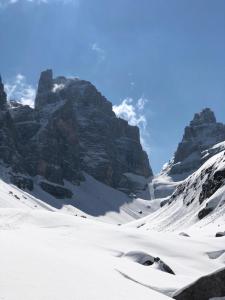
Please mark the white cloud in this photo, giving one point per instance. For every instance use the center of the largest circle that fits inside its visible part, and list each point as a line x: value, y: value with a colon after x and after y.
x: 99, y: 51
x: 130, y: 111
x: 134, y: 112
x: 18, y: 89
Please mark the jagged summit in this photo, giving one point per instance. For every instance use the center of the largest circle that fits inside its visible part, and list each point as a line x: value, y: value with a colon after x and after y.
x: 206, y: 116
x: 202, y: 133
x: 53, y: 90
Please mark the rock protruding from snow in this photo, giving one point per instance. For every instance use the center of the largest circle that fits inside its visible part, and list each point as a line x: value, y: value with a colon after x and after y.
x: 205, y: 288
x: 202, y: 133
x: 146, y: 259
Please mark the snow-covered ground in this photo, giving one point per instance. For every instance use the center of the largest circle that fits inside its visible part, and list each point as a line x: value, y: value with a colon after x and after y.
x: 54, y: 249
x: 53, y: 256
x: 91, y: 199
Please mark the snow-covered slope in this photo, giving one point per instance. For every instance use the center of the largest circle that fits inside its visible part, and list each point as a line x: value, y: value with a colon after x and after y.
x: 91, y: 199
x: 163, y: 184
x: 52, y: 256
x: 197, y: 203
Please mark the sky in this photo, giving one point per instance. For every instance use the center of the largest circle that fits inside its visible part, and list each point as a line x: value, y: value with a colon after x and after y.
x: 157, y: 61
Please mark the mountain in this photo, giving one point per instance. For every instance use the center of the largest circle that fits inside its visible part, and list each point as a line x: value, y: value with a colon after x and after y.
x: 72, y: 131
x: 202, y: 134
x: 203, y: 138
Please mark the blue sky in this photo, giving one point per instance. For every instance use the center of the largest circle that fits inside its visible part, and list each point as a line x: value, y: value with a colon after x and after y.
x: 170, y: 52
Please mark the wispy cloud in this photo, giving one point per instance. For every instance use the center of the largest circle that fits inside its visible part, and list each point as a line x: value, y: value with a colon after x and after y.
x: 18, y: 89
x: 6, y: 3
x: 99, y: 51
x: 134, y: 112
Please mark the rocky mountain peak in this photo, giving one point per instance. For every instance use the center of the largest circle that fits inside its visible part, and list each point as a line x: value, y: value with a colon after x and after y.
x: 206, y: 116
x: 53, y: 91
x: 3, y: 96
x: 44, y: 91
x: 45, y: 82
x: 200, y: 135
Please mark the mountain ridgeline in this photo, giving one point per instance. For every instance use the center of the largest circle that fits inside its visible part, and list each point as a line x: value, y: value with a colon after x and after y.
x: 72, y: 131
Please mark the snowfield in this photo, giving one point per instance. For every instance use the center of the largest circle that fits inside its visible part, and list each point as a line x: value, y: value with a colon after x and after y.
x: 80, y: 249
x: 53, y: 256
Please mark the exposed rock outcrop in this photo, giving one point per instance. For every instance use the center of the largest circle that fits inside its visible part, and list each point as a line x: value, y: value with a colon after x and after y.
x: 3, y: 96
x: 56, y: 190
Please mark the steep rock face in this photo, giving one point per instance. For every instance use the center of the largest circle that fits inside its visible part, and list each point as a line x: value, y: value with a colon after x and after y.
x: 202, y: 133
x: 106, y: 147
x: 3, y: 100
x: 8, y: 135
x: 72, y: 130
x: 8, y: 140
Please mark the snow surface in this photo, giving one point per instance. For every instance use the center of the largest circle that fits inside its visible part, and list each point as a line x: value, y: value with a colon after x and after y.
x: 48, y: 255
